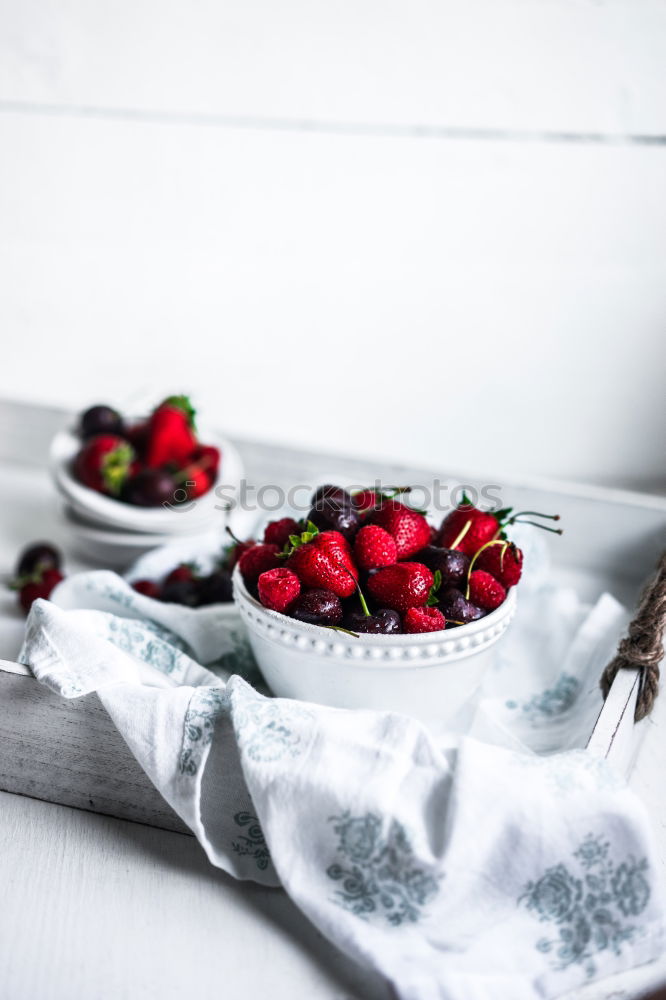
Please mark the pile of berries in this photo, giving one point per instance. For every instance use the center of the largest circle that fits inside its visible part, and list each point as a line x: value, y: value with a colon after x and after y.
x: 38, y: 569
x: 187, y: 585
x: 417, y: 578
x: 149, y: 463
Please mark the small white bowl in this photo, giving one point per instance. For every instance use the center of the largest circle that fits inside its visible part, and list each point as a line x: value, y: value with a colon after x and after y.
x: 430, y: 676
x: 107, y: 512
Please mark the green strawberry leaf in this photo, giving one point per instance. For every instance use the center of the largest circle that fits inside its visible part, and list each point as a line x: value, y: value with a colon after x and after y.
x: 182, y: 403
x: 432, y: 593
x: 295, y: 541
x: 116, y: 466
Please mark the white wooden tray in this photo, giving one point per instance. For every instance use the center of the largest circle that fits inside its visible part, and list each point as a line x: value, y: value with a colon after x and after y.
x: 69, y: 752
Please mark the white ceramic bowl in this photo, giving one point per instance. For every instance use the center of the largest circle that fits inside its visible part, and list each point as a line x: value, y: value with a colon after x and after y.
x: 106, y: 512
x: 429, y: 676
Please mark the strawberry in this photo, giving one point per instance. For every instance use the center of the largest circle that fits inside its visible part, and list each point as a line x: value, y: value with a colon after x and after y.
x: 208, y: 456
x: 503, y: 561
x: 104, y: 463
x: 409, y: 528
x: 374, y: 547
x: 278, y: 588
x: 467, y: 528
x: 405, y: 585
x: 279, y: 532
x: 195, y: 480
x: 256, y: 560
x: 324, y: 560
x: 184, y: 571
x: 171, y: 436
x: 149, y: 588
x: 485, y: 591
x: 417, y: 620
x: 366, y: 499
x: 38, y: 585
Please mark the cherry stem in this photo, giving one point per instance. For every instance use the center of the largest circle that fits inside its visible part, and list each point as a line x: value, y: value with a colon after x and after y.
x: 230, y: 532
x: 493, y: 541
x: 462, y: 534
x: 338, y: 628
x: 364, y: 606
x: 534, y: 513
x: 534, y: 524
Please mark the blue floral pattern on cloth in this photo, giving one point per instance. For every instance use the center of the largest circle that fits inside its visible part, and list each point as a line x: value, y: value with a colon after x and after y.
x: 572, y: 771
x: 239, y: 660
x: 152, y: 643
x: 251, y: 843
x: 378, y: 873
x: 590, y: 906
x: 205, y: 707
x: 267, y: 730
x: 550, y: 703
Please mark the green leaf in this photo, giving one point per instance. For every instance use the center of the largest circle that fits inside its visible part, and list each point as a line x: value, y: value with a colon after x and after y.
x: 432, y: 593
x: 182, y: 403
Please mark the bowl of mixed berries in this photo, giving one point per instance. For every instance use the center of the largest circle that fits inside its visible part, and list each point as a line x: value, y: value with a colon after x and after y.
x: 365, y: 604
x: 154, y: 475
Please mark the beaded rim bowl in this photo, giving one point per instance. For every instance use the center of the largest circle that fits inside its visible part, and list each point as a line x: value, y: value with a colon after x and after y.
x: 430, y: 649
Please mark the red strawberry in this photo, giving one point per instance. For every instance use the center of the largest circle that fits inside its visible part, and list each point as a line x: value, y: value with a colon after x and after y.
x: 184, y: 571
x: 485, y: 591
x: 39, y: 585
x: 325, y: 562
x: 338, y: 549
x: 149, y: 588
x: 409, y: 528
x: 256, y: 560
x: 374, y: 547
x: 195, y: 480
x: 278, y: 588
x: 208, y: 456
x: 171, y: 436
x: 104, y: 463
x: 467, y: 528
x: 366, y: 499
x: 278, y: 532
x: 405, y: 585
x: 417, y: 620
x: 504, y: 562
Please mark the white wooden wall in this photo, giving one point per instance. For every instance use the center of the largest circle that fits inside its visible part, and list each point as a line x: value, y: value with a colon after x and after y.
x: 433, y: 230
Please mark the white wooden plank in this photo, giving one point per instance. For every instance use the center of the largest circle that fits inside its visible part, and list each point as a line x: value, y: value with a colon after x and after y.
x: 97, y: 908
x: 499, y: 64
x: 533, y: 273
x: 616, y: 737
x: 69, y: 751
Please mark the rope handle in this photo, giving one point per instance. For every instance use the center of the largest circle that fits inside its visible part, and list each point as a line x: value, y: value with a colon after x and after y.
x: 643, y: 646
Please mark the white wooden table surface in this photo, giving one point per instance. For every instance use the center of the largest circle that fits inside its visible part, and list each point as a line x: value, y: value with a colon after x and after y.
x: 94, y: 907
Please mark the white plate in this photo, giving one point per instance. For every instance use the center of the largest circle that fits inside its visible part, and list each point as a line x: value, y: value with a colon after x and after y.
x: 205, y: 513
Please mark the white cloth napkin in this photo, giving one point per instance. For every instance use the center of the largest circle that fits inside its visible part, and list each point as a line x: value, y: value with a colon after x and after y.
x: 458, y: 868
